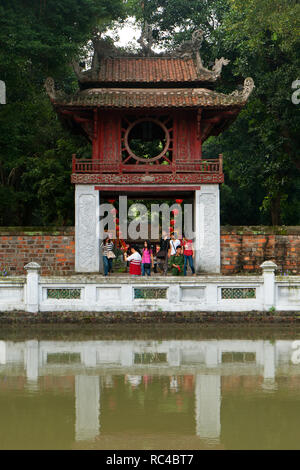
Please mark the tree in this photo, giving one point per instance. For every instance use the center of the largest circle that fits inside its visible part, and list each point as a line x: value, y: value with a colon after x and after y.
x: 261, y: 39
x: 264, y: 51
x: 39, y: 38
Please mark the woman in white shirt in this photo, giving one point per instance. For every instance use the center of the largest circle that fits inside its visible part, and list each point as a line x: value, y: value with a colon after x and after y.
x: 135, y: 261
x: 174, y: 243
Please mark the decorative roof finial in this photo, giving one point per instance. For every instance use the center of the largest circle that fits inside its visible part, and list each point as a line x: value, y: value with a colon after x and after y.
x: 246, y: 91
x: 191, y: 50
x: 50, y: 89
x: 146, y: 39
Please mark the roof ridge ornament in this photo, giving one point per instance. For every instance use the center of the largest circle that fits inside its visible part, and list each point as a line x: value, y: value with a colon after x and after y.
x: 77, y: 70
x: 54, y: 95
x: 246, y: 91
x: 190, y: 49
x: 146, y: 40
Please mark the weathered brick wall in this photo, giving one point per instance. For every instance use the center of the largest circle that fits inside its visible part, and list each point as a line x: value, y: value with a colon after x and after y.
x: 54, y: 250
x: 243, y: 249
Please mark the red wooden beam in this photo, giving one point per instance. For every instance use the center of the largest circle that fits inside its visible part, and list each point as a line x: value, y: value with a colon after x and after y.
x: 151, y: 188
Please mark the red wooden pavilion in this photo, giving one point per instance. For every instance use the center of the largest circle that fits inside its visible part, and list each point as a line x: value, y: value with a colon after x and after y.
x: 147, y: 119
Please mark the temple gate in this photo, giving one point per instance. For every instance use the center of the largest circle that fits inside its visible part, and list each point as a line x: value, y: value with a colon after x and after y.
x: 147, y: 118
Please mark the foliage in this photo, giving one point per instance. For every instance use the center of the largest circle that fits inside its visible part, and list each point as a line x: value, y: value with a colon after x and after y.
x: 39, y: 38
x: 261, y: 38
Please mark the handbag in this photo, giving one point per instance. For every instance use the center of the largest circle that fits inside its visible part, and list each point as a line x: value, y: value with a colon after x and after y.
x: 111, y: 255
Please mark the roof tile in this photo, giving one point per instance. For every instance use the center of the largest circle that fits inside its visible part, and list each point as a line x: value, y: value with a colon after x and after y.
x: 147, y: 70
x: 152, y: 98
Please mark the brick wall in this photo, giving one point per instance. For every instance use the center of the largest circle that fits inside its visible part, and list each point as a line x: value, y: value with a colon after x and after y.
x: 53, y: 250
x: 243, y: 249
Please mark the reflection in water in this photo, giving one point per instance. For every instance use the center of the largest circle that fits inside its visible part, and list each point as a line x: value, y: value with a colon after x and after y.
x: 149, y: 394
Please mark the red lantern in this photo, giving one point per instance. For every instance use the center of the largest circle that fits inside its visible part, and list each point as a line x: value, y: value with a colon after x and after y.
x: 113, y: 211
x: 179, y: 201
x: 111, y: 201
x: 175, y: 211
x: 173, y: 222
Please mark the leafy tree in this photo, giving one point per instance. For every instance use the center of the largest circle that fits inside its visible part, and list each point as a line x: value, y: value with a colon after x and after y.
x: 39, y: 38
x: 263, y: 51
x: 261, y: 38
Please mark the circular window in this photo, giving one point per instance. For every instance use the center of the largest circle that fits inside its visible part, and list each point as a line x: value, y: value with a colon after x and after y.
x: 147, y: 139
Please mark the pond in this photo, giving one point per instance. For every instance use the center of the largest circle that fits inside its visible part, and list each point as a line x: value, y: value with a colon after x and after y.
x: 149, y: 388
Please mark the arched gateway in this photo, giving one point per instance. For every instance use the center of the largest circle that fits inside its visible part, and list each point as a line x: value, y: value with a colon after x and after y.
x: 147, y: 118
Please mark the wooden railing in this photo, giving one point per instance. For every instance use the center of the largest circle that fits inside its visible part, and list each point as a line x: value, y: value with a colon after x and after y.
x: 96, y: 166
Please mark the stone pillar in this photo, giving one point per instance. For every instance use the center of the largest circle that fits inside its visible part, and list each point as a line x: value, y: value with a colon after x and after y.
x: 207, y: 228
x: 269, y: 268
x: 87, y: 229
x: 211, y: 355
x: 32, y: 287
x: 174, y: 357
x: 208, y: 406
x: 2, y: 352
x: 32, y: 360
x: 127, y: 356
x: 269, y: 383
x: 87, y: 394
x: 269, y: 361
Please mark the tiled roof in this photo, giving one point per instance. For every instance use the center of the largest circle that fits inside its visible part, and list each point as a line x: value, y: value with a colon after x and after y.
x: 147, y: 70
x: 152, y: 98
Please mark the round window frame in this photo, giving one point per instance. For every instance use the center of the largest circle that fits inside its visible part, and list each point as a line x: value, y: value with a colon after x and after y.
x: 143, y: 159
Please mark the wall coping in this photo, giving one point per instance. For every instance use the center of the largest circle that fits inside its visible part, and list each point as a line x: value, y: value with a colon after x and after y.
x: 260, y: 230
x: 225, y: 229
x: 36, y: 231
x: 157, y: 280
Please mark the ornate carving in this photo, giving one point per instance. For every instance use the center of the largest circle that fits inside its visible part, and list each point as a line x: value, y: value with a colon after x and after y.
x: 209, y: 232
x: 50, y: 89
x: 184, y: 178
x: 246, y: 91
x: 146, y: 40
x: 217, y: 68
x: 87, y: 231
x: 190, y: 47
x: 103, y: 48
x: 54, y: 95
x: 248, y: 87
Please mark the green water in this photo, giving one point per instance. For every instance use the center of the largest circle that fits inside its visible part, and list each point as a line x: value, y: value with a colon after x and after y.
x: 146, y: 388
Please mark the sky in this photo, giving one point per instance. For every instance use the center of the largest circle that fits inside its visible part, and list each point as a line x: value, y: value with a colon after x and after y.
x: 128, y: 34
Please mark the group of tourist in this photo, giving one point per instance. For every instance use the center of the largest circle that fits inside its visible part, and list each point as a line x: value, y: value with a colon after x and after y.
x: 171, y: 254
